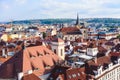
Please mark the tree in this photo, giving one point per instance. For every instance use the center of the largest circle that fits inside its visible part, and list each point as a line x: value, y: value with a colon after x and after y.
x: 118, y: 36
x: 44, y: 35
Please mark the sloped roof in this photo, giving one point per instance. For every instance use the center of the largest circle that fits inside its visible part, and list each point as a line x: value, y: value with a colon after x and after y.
x: 2, y: 59
x: 67, y: 73
x: 32, y: 58
x: 58, y: 40
x: 31, y: 77
x: 110, y: 43
x: 70, y: 30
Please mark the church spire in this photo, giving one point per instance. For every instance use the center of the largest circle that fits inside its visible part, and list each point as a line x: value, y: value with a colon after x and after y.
x: 77, y: 21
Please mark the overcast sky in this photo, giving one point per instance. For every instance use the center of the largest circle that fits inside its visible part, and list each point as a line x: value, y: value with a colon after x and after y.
x: 42, y: 9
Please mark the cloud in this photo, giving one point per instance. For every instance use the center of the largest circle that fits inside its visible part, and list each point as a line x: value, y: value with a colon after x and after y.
x: 28, y: 9
x: 6, y: 6
x: 21, y: 1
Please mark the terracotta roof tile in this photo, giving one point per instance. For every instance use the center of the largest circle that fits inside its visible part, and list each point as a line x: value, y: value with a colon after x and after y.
x: 30, y: 77
x: 2, y: 59
x: 32, y: 58
x: 58, y: 40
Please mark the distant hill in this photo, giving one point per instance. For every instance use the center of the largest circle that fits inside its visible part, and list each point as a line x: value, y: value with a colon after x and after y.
x: 55, y: 21
x: 43, y: 21
x: 104, y: 20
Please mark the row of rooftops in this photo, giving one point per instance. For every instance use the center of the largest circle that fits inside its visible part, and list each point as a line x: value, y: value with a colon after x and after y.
x: 91, y: 66
x: 89, y: 44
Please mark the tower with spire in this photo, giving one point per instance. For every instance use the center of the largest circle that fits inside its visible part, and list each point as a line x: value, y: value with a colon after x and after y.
x: 77, y: 24
x: 77, y: 21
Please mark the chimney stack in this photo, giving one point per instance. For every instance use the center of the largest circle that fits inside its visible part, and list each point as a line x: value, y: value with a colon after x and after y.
x: 95, y: 60
x: 3, y: 52
x: 82, y: 39
x: 20, y: 75
x: 30, y: 72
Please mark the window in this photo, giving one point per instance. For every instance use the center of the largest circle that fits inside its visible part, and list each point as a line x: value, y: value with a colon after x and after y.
x: 65, y: 38
x: 70, y: 77
x: 36, y: 68
x: 74, y: 75
x: 55, y: 51
x: 47, y: 66
x: 31, y: 56
x: 39, y: 54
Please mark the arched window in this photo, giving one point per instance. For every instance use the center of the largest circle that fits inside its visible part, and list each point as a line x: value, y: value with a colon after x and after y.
x: 55, y: 51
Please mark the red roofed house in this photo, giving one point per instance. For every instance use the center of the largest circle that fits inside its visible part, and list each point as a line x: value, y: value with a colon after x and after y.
x: 66, y: 73
x: 72, y: 33
x: 37, y: 60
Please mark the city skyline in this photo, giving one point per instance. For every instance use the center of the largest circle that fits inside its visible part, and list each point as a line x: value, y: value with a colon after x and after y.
x: 43, y: 9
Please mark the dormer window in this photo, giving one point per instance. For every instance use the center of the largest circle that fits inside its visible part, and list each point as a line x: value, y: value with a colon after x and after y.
x: 46, y: 53
x: 69, y: 76
x: 74, y: 75
x: 31, y: 56
x: 47, y: 66
x: 78, y: 74
x: 39, y: 54
x: 36, y: 69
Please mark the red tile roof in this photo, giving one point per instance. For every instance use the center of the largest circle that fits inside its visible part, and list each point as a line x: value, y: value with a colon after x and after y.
x: 2, y: 59
x: 110, y: 43
x: 67, y: 73
x: 101, y: 49
x: 32, y: 58
x: 76, y: 74
x: 72, y: 30
x: 58, y: 40
x: 31, y: 77
x: 117, y: 54
x: 69, y: 29
x: 100, y: 61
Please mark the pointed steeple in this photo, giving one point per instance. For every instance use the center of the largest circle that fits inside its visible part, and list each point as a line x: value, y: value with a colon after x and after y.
x: 77, y: 21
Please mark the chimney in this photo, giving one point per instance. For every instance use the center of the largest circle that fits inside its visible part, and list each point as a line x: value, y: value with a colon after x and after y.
x: 82, y: 39
x: 3, y: 52
x: 107, y: 53
x: 30, y: 72
x: 20, y: 75
x: 95, y: 60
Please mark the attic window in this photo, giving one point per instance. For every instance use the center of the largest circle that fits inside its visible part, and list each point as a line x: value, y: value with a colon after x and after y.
x: 45, y: 52
x: 69, y: 76
x: 36, y: 69
x: 78, y: 74
x: 47, y: 67
x: 31, y: 56
x: 74, y: 75
x: 39, y: 54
